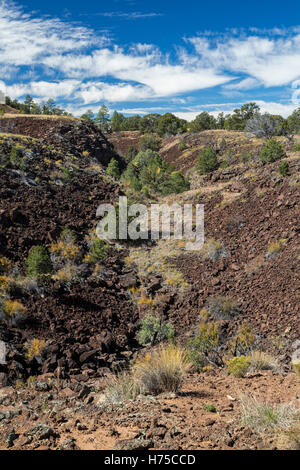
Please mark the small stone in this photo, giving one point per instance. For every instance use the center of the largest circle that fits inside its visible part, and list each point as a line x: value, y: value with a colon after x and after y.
x: 133, y: 444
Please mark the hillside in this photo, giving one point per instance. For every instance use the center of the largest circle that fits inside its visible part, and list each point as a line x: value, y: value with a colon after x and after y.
x: 69, y: 330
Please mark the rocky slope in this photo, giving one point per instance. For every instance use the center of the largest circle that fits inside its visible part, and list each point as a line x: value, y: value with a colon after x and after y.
x: 52, y: 176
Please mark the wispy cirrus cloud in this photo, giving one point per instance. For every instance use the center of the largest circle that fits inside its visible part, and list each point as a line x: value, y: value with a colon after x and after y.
x: 135, y: 15
x: 55, y: 58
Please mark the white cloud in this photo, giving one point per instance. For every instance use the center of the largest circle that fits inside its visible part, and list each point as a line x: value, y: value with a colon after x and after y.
x: 42, y: 89
x: 246, y: 84
x: 82, y: 68
x: 100, y: 91
x: 271, y: 61
x: 135, y: 15
x: 26, y: 40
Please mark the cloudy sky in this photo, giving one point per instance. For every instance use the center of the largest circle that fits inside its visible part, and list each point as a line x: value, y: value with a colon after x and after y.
x: 141, y: 56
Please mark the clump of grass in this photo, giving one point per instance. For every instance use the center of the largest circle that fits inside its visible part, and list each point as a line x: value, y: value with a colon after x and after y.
x: 238, y: 366
x: 210, y: 408
x: 264, y: 417
x: 213, y: 250
x: 296, y: 366
x: 66, y: 248
x: 161, y: 370
x: 12, y: 311
x: 5, y: 264
x: 34, y: 348
x: 289, y: 439
x: 156, y: 372
x: 274, y: 249
x: 122, y: 387
x: 260, y: 360
x: 222, y: 308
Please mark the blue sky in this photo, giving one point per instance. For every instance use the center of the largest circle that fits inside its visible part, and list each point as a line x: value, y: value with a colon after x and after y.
x: 140, y: 56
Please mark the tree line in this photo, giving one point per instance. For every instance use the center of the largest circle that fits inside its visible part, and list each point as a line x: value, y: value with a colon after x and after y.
x: 246, y: 118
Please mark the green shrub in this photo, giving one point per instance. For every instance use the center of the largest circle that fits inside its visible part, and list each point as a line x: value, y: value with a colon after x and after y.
x: 130, y: 153
x: 182, y: 146
x: 239, y: 366
x: 210, y: 408
x: 243, y: 341
x: 284, y: 168
x: 205, y: 344
x: 98, y: 251
x: 153, y: 330
x: 113, y: 169
x: 272, y: 151
x: 175, y: 184
x: 148, y: 170
x: 296, y: 148
x: 207, y: 161
x: 16, y: 156
x: 38, y: 262
x: 149, y: 142
x: 67, y: 175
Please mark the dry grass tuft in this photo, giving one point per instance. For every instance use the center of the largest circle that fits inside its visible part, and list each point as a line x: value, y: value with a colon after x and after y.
x: 161, y: 370
x: 267, y: 417
x: 260, y: 360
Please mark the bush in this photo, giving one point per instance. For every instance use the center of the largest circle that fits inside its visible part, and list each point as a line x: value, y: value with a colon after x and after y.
x: 222, y: 308
x: 204, y: 344
x: 207, y: 161
x: 175, y: 184
x: 161, y: 370
x: 38, y: 262
x: 149, y: 142
x: 16, y: 156
x: 274, y: 249
x: 153, y: 330
x: 130, y: 153
x: 34, y: 348
x: 182, y: 146
x: 113, y: 169
x: 210, y: 408
x: 238, y: 366
x: 263, y: 125
x: 243, y: 341
x: 213, y: 250
x: 65, y: 249
x: 284, y: 168
x: 12, y: 311
x: 150, y: 172
x: 98, y: 251
x: 272, y: 151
